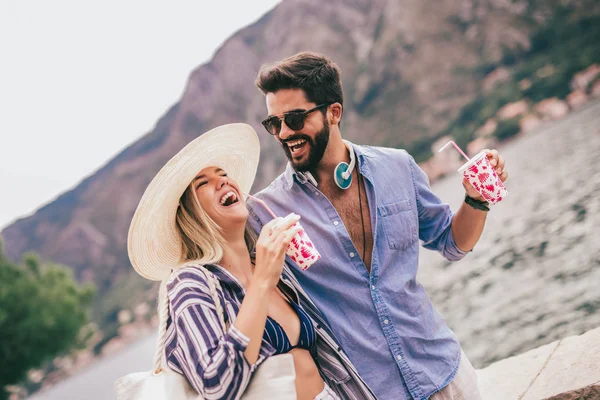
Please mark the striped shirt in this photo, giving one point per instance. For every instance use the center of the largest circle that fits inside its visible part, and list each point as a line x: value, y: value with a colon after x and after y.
x: 213, y: 361
x: 276, y: 336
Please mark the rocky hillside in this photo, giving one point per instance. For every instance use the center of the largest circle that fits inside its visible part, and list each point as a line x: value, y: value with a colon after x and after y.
x: 409, y: 67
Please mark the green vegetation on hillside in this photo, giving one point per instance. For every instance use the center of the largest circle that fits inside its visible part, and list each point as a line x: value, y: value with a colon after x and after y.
x: 42, y: 311
x: 566, y: 44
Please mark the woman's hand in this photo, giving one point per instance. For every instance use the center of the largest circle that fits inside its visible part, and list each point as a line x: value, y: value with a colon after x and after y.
x: 271, y: 245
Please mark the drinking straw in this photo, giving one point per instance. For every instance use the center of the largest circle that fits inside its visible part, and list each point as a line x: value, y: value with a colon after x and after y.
x: 263, y: 203
x: 456, y: 147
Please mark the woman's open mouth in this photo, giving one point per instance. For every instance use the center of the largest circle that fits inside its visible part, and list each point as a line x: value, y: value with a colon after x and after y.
x: 229, y: 199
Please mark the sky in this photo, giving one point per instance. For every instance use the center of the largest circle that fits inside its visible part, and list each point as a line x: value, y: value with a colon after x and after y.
x: 80, y: 80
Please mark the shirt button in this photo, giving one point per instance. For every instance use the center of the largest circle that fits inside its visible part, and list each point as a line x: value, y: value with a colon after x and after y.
x: 372, y: 287
x: 386, y: 322
x: 398, y: 358
x: 336, y: 223
x: 317, y: 193
x: 351, y: 254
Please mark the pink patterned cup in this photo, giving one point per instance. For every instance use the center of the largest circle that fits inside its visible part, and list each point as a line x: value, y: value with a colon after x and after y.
x: 301, y: 250
x: 482, y: 176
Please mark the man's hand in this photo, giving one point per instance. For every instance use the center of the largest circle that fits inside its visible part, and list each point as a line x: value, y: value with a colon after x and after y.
x: 497, y: 162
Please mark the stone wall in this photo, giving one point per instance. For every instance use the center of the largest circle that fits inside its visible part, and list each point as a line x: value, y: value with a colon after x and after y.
x: 562, y: 370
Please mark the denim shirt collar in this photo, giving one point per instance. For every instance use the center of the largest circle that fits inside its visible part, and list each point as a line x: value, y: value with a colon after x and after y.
x: 291, y: 174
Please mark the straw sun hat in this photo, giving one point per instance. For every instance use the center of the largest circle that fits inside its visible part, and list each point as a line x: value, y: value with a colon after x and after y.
x: 153, y: 243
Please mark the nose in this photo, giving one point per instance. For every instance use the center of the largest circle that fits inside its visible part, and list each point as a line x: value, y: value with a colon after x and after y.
x: 285, y: 132
x: 222, y: 182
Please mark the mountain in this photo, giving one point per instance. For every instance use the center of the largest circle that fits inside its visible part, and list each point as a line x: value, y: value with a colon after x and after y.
x: 409, y: 68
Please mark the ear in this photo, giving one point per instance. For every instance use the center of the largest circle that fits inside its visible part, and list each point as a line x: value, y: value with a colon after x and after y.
x: 336, y: 113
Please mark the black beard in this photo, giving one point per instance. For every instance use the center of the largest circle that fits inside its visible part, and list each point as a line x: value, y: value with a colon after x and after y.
x: 315, y: 153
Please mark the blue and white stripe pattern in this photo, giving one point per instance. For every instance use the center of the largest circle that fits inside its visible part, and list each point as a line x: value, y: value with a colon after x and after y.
x: 213, y: 361
x: 276, y: 336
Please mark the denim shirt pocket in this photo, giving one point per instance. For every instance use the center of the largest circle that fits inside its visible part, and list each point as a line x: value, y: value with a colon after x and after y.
x: 399, y: 224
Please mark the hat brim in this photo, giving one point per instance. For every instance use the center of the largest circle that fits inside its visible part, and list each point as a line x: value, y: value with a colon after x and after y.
x: 153, y: 244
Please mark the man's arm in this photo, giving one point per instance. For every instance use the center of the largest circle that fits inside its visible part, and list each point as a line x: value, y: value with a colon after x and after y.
x: 467, y: 226
x: 468, y: 222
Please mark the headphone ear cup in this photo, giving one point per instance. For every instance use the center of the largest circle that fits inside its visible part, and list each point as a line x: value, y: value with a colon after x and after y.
x: 339, y: 178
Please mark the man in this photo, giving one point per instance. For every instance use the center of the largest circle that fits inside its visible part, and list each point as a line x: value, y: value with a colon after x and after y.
x: 366, y: 225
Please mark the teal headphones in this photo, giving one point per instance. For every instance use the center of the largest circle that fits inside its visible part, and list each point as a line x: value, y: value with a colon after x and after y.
x: 342, y: 175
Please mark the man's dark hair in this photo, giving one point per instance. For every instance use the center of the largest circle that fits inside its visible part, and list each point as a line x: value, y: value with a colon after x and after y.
x: 315, y: 74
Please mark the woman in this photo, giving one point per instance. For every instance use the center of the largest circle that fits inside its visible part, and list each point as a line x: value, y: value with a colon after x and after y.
x: 192, y: 219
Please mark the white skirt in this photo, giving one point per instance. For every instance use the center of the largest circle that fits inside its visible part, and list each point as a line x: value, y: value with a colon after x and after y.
x: 327, y: 394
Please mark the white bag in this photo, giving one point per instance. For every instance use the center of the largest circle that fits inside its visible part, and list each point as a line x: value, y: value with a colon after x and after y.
x: 274, y: 379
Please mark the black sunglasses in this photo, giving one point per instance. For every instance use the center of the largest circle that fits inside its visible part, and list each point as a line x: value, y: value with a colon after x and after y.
x: 293, y: 119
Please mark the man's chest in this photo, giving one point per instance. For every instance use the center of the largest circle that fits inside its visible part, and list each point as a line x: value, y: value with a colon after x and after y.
x: 352, y: 206
x: 354, y: 214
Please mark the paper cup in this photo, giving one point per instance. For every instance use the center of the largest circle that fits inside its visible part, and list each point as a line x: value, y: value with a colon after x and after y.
x: 301, y: 250
x: 482, y: 176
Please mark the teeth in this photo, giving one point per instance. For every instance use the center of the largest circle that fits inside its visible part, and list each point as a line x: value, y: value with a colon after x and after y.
x: 296, y: 143
x: 227, y: 196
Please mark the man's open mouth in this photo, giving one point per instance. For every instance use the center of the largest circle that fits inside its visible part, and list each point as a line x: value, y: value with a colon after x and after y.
x: 296, y: 145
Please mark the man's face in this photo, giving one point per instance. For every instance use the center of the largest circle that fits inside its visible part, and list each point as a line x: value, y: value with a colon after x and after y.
x: 304, y: 148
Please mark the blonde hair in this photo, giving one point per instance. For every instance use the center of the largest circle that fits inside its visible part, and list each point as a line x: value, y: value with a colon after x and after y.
x: 202, y: 239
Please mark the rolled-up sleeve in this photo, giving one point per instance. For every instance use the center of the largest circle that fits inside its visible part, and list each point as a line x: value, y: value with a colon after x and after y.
x: 212, y: 360
x: 435, y: 218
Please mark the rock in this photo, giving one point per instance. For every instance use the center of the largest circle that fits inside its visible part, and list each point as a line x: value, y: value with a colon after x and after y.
x: 442, y: 163
x: 513, y: 110
x: 433, y: 170
x: 595, y: 90
x: 582, y: 79
x: 529, y: 122
x: 552, y: 108
x: 124, y: 316
x: 481, y: 143
x: 562, y: 370
x: 495, y: 77
x: 83, y: 359
x: 141, y: 310
x: 509, y: 378
x: 487, y: 129
x: 577, y: 98
x: 545, y: 71
x: 524, y: 84
x: 129, y: 331
x: 113, y: 346
x: 590, y: 392
x: 35, y: 375
x: 573, y: 368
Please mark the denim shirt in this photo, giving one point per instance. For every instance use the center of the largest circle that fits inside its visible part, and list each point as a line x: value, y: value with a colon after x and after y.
x: 385, y: 321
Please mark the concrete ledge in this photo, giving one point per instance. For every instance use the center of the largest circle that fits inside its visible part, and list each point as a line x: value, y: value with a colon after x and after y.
x: 563, y: 370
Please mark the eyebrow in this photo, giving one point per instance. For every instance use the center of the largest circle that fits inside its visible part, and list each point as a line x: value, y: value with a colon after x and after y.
x: 218, y: 170
x: 287, y: 112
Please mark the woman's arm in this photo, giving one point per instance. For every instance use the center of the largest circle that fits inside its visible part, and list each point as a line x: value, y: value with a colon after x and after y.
x: 212, y: 360
x: 219, y: 364
x: 270, y: 253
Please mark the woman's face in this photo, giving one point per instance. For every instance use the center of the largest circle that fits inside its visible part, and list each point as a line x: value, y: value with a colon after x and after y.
x: 220, y: 197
